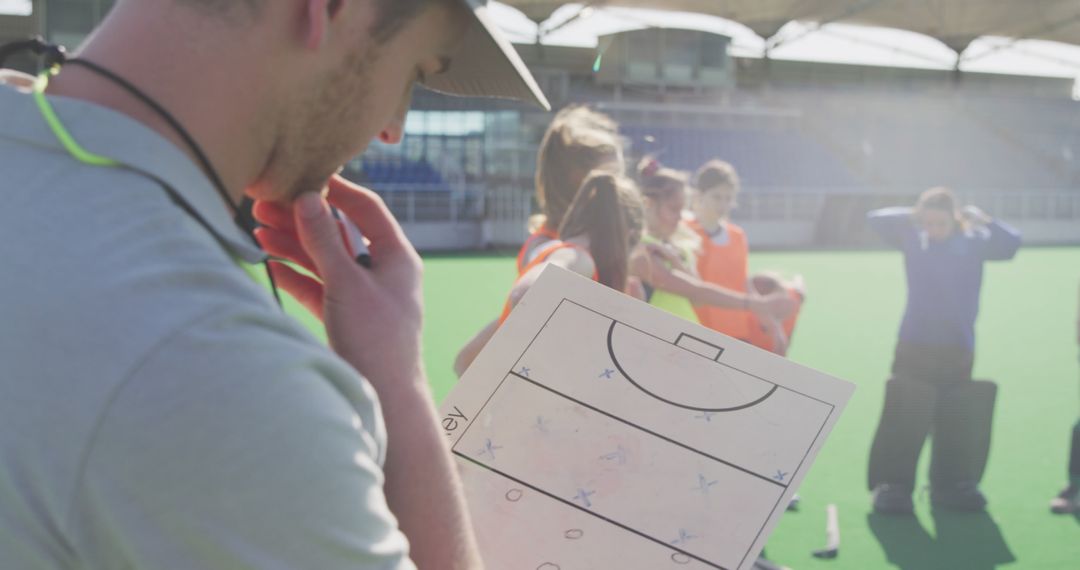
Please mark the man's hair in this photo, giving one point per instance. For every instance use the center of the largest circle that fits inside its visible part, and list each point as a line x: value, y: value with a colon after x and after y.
x: 227, y: 8
x: 939, y: 198
x: 393, y: 14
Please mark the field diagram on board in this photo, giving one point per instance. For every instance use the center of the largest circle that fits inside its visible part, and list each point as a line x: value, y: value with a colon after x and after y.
x: 604, y: 446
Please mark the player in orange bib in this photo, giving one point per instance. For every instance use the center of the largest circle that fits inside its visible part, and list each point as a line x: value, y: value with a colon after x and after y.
x: 667, y: 265
x: 723, y: 260
x: 600, y: 228
x: 577, y: 142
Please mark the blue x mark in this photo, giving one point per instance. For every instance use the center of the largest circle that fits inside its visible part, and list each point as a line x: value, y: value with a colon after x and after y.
x: 489, y: 448
x: 704, y: 484
x: 583, y: 496
x: 683, y: 537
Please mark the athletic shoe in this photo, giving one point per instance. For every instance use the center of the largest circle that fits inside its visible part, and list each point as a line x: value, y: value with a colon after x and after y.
x: 1067, y: 501
x: 961, y: 497
x: 763, y: 563
x: 793, y: 505
x: 890, y: 499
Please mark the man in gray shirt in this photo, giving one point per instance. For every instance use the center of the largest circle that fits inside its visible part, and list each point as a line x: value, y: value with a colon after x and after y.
x: 157, y: 409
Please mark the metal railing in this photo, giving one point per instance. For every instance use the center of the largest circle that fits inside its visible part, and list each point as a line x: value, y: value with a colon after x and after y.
x: 508, y: 204
x: 429, y: 203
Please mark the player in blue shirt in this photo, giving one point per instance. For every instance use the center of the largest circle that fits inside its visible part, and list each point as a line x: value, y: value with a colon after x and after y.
x: 931, y: 389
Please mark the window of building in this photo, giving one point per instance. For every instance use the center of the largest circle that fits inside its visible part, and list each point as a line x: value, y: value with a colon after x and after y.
x: 68, y: 22
x: 16, y: 7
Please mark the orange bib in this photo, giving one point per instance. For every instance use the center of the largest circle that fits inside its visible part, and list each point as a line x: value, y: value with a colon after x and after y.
x: 535, y: 239
x: 726, y: 266
x: 541, y: 258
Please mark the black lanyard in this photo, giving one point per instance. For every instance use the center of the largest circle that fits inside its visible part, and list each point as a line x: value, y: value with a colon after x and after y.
x: 55, y: 56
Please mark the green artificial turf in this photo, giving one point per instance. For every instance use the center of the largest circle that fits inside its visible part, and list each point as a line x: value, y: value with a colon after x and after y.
x: 1026, y: 343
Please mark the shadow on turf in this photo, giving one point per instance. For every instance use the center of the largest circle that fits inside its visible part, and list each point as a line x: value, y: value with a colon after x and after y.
x: 968, y: 541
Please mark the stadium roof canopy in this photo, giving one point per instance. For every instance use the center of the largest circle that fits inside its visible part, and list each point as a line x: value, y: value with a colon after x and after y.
x: 956, y: 23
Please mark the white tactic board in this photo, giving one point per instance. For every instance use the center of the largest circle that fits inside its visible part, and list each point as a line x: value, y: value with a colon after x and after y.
x: 596, y: 432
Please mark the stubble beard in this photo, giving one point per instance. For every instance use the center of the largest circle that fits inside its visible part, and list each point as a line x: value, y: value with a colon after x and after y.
x: 322, y: 141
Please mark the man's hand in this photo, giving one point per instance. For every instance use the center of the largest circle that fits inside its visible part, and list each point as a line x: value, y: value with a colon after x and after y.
x: 372, y: 316
x: 373, y: 319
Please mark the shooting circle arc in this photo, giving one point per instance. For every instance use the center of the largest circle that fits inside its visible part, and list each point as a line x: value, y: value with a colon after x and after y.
x: 766, y: 389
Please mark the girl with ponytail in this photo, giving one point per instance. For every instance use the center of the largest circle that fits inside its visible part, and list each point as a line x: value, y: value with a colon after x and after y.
x: 578, y: 141
x: 667, y: 265
x: 599, y: 229
x: 606, y: 218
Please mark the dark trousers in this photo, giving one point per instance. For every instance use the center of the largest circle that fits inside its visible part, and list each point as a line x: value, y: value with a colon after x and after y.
x: 931, y: 393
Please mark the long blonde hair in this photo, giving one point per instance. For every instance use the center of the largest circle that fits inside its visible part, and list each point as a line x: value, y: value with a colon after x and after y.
x: 607, y: 209
x: 578, y: 141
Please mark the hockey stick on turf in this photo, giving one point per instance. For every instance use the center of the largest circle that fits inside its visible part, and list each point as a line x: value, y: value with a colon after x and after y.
x: 832, y: 534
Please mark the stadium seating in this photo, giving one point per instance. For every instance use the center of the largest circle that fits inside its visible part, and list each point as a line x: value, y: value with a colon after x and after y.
x: 885, y: 143
x: 975, y: 144
x: 394, y: 174
x: 765, y: 158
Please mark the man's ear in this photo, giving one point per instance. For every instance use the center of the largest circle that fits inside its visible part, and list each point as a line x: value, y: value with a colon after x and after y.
x: 317, y: 23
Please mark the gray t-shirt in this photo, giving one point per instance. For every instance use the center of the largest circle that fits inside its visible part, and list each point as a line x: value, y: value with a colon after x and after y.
x: 157, y: 409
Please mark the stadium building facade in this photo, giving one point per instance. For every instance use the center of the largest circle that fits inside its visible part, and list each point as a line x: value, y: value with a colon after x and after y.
x: 816, y: 144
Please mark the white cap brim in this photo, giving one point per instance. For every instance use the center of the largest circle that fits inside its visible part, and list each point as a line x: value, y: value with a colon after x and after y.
x: 487, y: 65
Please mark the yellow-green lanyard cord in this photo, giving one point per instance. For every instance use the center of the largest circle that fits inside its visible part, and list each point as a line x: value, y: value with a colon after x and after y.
x: 81, y: 154
x: 49, y: 115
